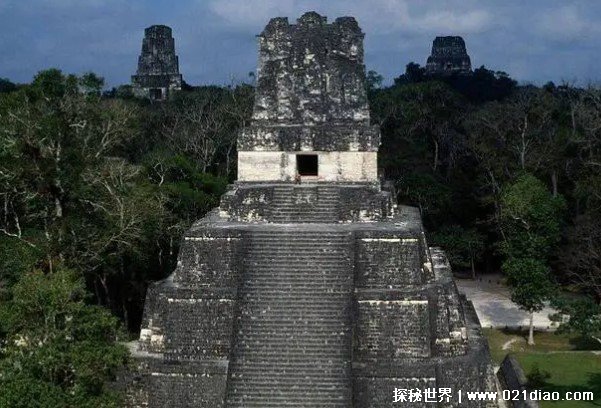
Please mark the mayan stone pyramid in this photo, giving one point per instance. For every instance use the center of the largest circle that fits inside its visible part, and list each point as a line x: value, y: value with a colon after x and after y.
x: 158, y: 66
x: 449, y: 56
x: 308, y: 286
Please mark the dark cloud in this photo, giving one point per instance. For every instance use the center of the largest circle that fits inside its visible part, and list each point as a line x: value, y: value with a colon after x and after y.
x: 534, y: 41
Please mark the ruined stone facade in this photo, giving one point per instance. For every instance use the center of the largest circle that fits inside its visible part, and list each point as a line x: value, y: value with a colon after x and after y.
x: 308, y: 286
x: 158, y: 66
x: 311, y: 116
x: 449, y: 57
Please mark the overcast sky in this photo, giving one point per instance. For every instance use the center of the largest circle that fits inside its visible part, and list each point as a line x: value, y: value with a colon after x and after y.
x: 534, y: 40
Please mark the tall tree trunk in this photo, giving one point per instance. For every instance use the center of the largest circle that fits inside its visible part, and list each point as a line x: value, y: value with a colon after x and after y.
x: 554, y: 182
x: 435, y: 166
x: 97, y: 292
x: 473, y: 268
x: 104, y: 283
x: 531, y: 331
x: 524, y: 144
x: 125, y: 314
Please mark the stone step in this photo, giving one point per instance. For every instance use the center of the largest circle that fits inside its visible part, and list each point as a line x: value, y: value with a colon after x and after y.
x: 289, y: 310
x: 331, y: 351
x: 295, y: 234
x: 295, y: 329
x: 311, y: 274
x: 261, y: 368
x: 295, y: 239
x: 295, y: 386
x: 304, y: 218
x: 293, y: 340
x: 279, y: 352
x: 263, y: 277
x: 315, y: 212
x: 283, y: 253
x: 307, y: 290
x: 276, y: 298
x: 340, y: 346
x: 267, y: 376
x: 291, y: 360
x: 307, y: 240
x: 280, y: 259
x: 319, y: 212
x: 302, y: 288
x: 259, y: 309
x: 276, y: 334
x: 281, y: 256
x: 286, y: 401
x: 266, y: 265
x: 327, y: 204
x: 317, y: 277
x: 300, y: 251
x: 293, y: 348
x: 301, y: 282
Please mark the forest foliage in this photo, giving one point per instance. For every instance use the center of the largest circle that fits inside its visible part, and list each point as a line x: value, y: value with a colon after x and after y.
x: 96, y: 189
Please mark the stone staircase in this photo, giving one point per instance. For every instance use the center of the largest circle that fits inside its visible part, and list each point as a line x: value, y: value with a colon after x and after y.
x: 293, y: 340
x: 305, y: 204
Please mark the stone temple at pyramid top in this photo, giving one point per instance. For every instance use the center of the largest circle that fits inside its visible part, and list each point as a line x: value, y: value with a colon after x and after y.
x: 311, y: 114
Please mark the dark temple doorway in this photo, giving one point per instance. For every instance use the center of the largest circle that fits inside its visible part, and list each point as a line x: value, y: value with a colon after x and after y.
x: 306, y: 164
x: 156, y: 94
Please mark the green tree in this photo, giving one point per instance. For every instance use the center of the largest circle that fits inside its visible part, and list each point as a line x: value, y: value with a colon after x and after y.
x: 373, y: 81
x: 531, y: 227
x: 91, y: 84
x: 68, y: 192
x: 530, y: 285
x: 581, y: 316
x: 430, y: 195
x: 56, y: 350
x: 414, y: 73
x: 463, y: 246
x: 203, y: 125
x: 531, y: 219
x: 7, y: 86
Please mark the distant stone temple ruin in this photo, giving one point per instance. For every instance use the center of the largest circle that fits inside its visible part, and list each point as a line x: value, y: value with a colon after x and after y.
x: 158, y: 66
x: 308, y: 286
x: 449, y: 56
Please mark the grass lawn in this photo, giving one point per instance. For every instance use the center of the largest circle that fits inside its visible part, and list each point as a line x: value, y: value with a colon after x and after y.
x: 563, y: 357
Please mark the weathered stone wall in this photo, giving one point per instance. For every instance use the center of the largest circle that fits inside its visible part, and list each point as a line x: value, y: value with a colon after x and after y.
x: 388, y: 261
x: 392, y: 330
x: 373, y: 391
x: 157, y: 384
x: 311, y: 72
x: 188, y: 324
x: 512, y: 377
x: 198, y: 265
x: 306, y: 203
x: 411, y: 330
x: 328, y: 137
